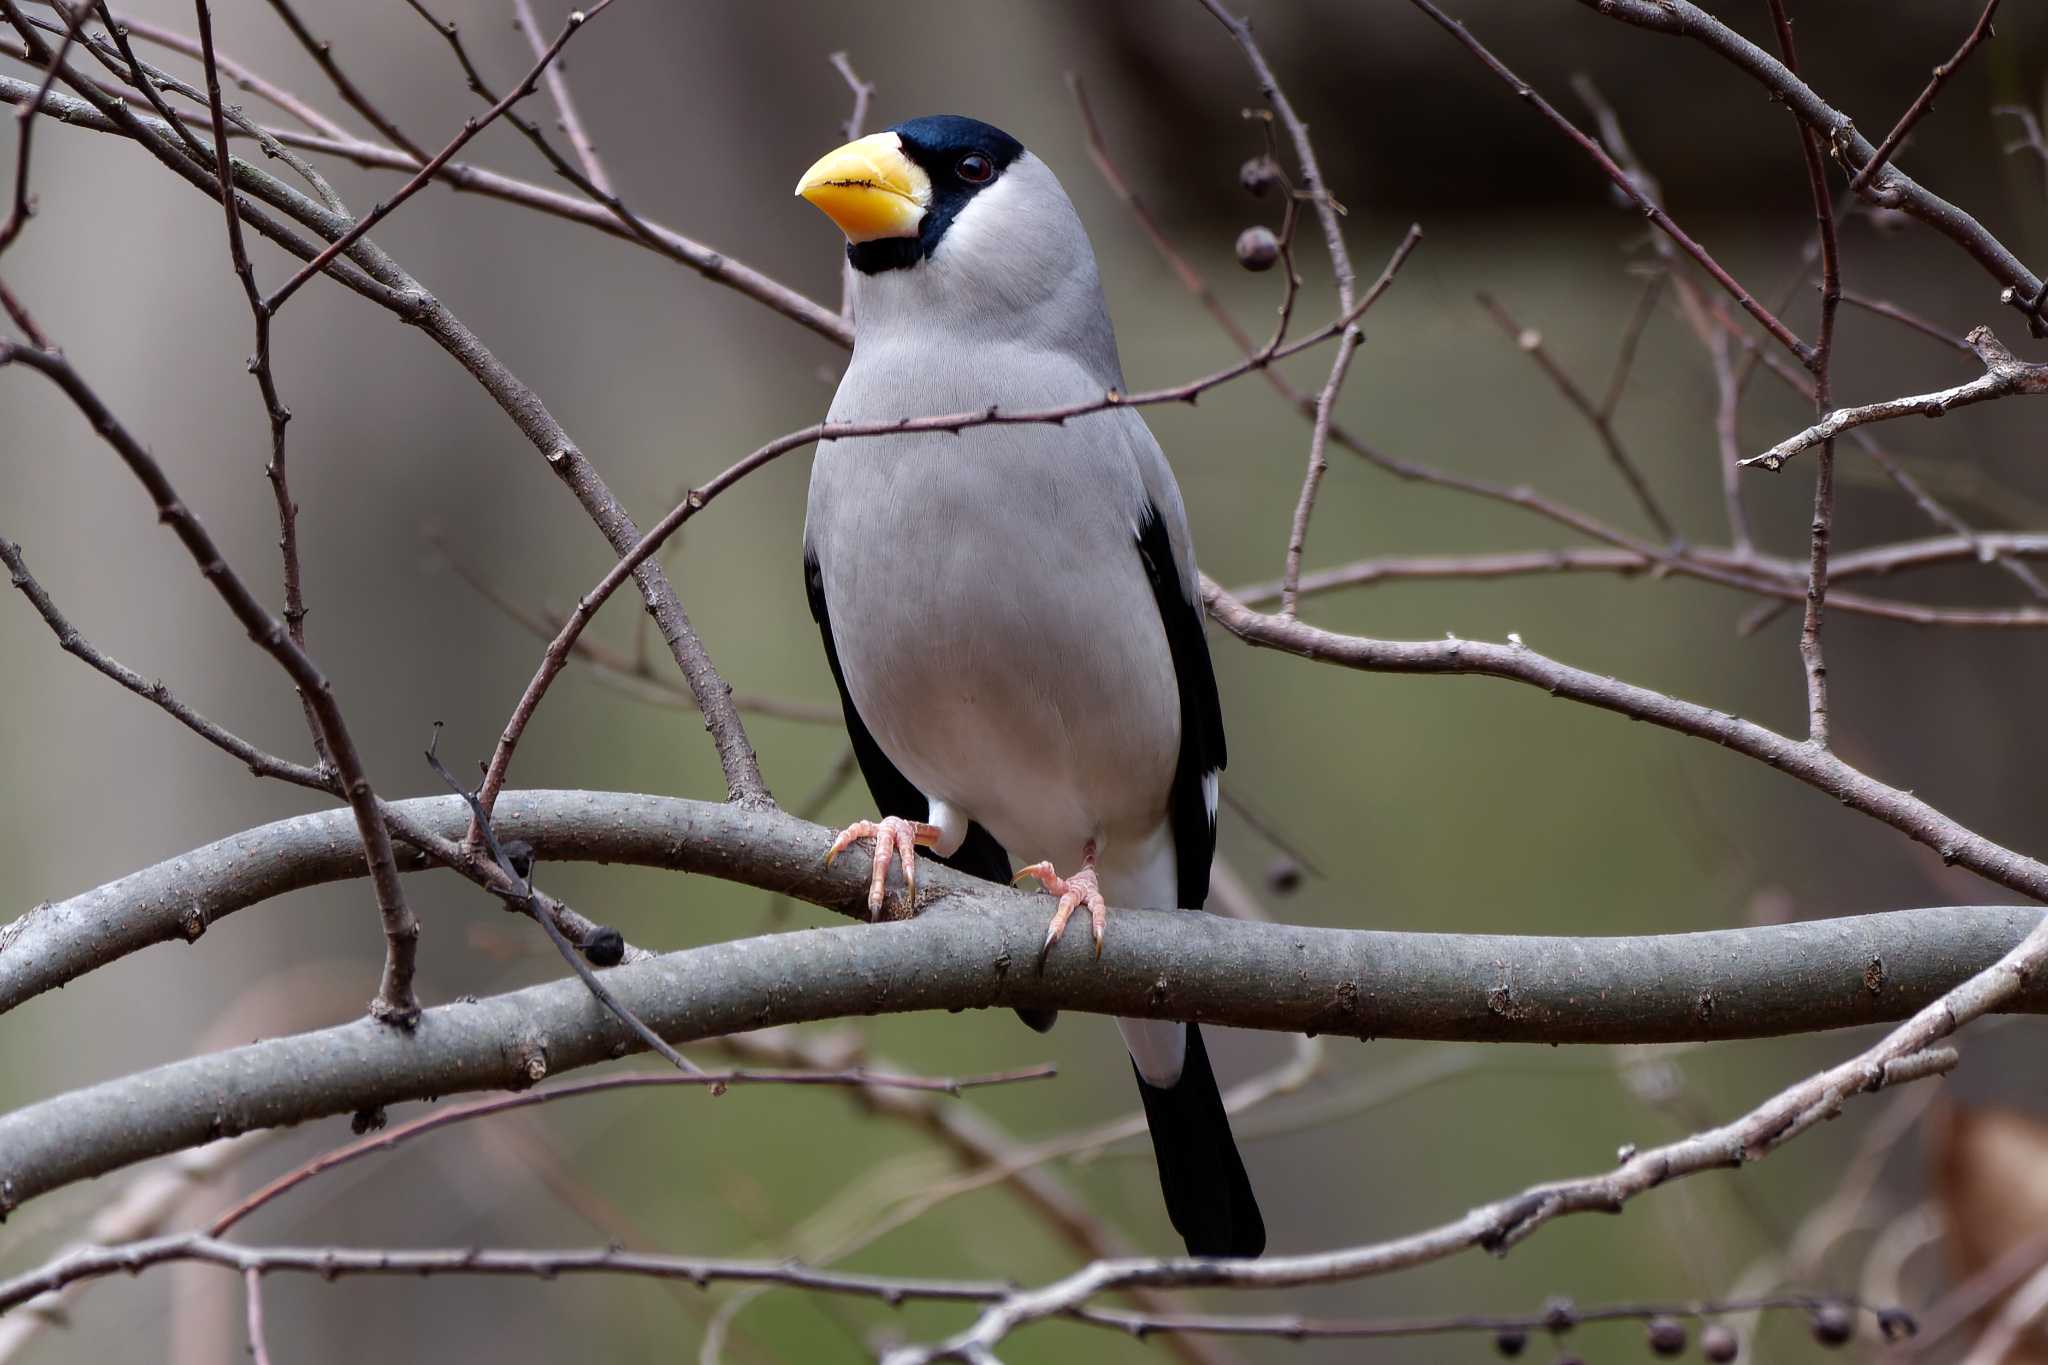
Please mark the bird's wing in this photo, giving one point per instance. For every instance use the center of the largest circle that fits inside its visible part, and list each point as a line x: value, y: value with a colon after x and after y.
x: 1167, y: 550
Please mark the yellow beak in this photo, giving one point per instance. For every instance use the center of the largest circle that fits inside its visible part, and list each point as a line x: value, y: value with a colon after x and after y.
x: 869, y: 188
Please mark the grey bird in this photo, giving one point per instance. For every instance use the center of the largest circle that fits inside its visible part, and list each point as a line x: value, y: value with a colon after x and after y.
x: 1011, y: 612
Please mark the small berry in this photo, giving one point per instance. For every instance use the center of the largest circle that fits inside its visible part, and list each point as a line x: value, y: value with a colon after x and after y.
x: 1258, y: 176
x: 1833, y: 1324
x: 1667, y: 1336
x: 607, y: 948
x: 1283, y: 878
x: 1257, y: 248
x: 1718, y: 1344
x: 1896, y: 1324
x: 1560, y: 1314
x: 1509, y: 1341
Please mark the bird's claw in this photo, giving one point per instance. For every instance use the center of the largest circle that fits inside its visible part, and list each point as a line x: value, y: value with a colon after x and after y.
x: 1074, y: 892
x: 895, y: 838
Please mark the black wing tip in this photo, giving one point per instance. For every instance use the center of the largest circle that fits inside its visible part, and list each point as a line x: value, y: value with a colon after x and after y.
x: 1208, y: 1195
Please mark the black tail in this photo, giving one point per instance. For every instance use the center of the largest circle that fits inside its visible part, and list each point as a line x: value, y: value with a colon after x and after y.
x: 1208, y: 1196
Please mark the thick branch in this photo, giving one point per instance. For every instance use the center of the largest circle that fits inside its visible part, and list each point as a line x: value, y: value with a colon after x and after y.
x: 972, y: 948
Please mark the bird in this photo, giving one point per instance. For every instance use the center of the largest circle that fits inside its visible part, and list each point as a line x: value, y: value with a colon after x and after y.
x: 1011, y: 611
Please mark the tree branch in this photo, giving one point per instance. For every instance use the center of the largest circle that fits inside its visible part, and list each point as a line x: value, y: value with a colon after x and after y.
x: 2004, y: 376
x: 1978, y: 32
x: 1894, y: 189
x: 970, y: 949
x: 380, y: 279
x: 395, y: 1002
x: 1808, y: 763
x: 1623, y: 182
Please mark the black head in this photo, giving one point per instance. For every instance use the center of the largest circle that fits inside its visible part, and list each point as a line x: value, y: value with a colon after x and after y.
x: 963, y: 157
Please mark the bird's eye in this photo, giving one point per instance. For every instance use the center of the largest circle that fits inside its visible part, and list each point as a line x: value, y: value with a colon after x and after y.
x: 976, y: 169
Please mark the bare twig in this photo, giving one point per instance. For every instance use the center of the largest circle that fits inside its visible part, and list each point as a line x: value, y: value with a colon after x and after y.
x: 1501, y: 1224
x: 1885, y: 308
x: 252, y: 1293
x: 1990, y: 548
x: 470, y: 128
x: 1623, y: 181
x: 242, y: 76
x: 141, y: 1209
x: 1326, y: 406
x: 1812, y: 656
x: 381, y: 280
x: 529, y: 902
x: 856, y: 120
x: 395, y: 1002
x: 633, y: 676
x: 1891, y: 188
x: 565, y: 105
x: 1807, y: 763
x: 1978, y: 32
x: 1963, y: 547
x: 259, y: 762
x: 1598, y: 417
x: 860, y: 1078
x: 24, y: 127
x: 322, y: 52
x: 1328, y: 211
x: 138, y: 76
x: 2004, y: 376
x: 259, y: 364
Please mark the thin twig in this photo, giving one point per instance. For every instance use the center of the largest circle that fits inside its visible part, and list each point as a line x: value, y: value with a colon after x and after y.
x: 259, y: 762
x: 1925, y: 102
x: 1893, y: 188
x: 2004, y: 375
x: 1631, y: 337
x: 379, y: 279
x: 1517, y: 662
x: 1885, y: 308
x: 1328, y: 211
x: 1597, y: 416
x: 1326, y: 406
x: 565, y: 106
x: 242, y: 76
x: 855, y: 1077
x: 1623, y: 181
x: 856, y: 119
x: 139, y: 78
x: 1812, y: 657
x: 24, y: 125
x: 259, y: 365
x: 322, y: 52
x: 395, y: 1002
x: 528, y: 902
x: 470, y: 128
x: 252, y: 1293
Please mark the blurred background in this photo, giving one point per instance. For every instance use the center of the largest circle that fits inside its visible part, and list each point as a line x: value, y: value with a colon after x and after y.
x: 1421, y: 803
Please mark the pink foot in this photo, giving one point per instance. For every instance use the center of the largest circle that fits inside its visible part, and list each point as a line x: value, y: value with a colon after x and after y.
x: 895, y: 838
x: 1074, y: 892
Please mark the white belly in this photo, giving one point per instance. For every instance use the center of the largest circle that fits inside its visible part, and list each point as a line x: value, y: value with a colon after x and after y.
x: 998, y: 633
